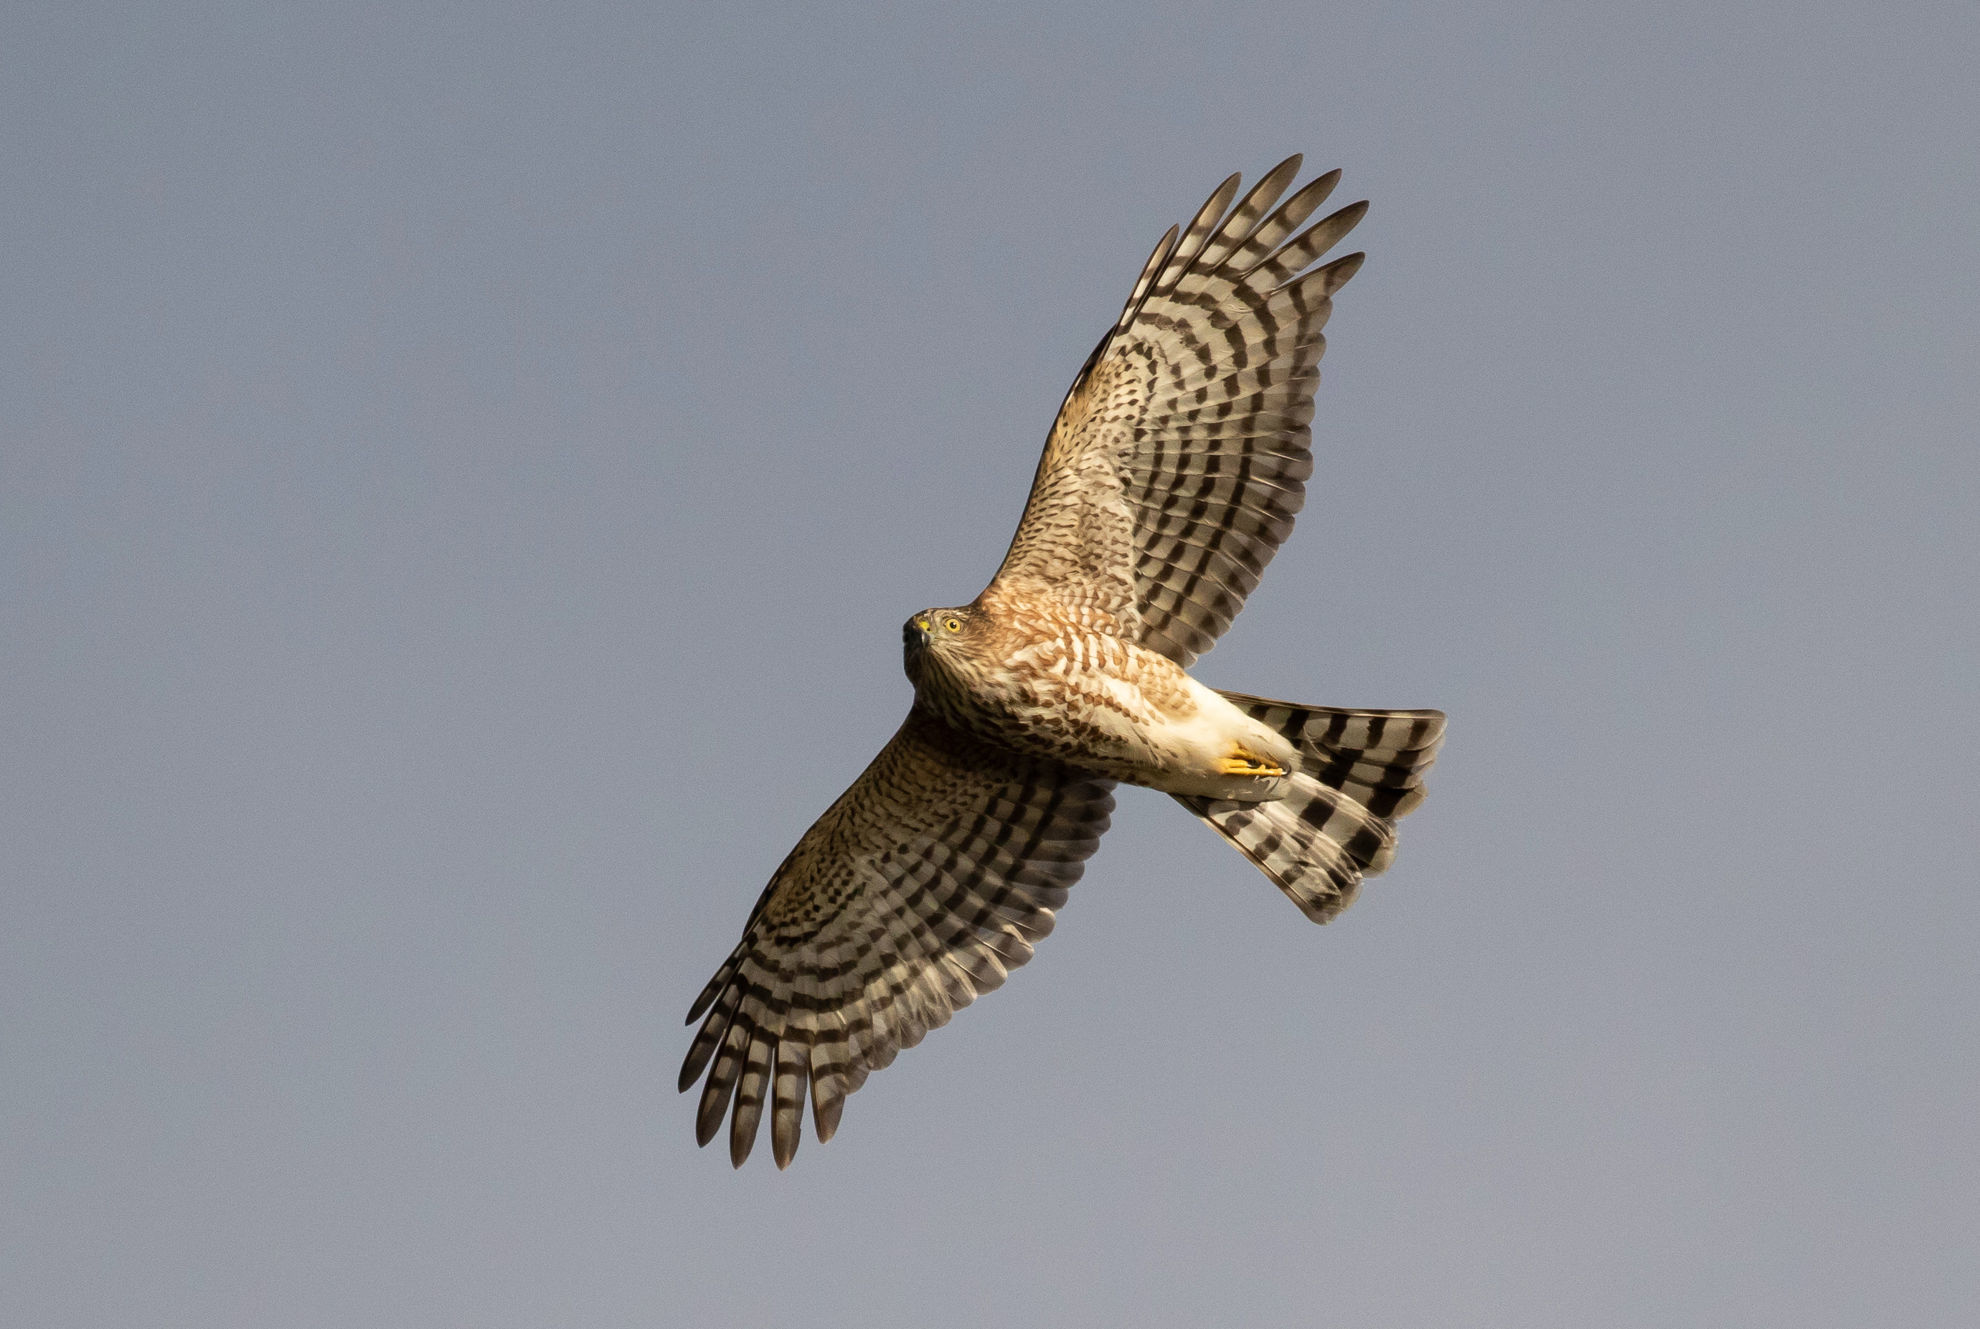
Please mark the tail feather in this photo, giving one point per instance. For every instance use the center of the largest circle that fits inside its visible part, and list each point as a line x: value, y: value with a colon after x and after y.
x: 1377, y: 758
x: 1359, y: 772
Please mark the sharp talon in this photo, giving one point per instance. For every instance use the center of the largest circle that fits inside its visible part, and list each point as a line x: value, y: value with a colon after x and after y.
x: 1241, y: 762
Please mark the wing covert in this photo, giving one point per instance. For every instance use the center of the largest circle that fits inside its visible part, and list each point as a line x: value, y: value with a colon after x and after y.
x: 1179, y: 458
x: 921, y: 887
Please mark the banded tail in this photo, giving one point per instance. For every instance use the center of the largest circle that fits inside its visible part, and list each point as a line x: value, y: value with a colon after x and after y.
x: 1358, y: 772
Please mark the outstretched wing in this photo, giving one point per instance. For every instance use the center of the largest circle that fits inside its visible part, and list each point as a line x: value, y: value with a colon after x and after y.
x: 921, y: 887
x: 1179, y: 458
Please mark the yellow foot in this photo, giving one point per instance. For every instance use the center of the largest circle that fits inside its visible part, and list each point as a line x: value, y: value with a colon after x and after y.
x: 1244, y: 762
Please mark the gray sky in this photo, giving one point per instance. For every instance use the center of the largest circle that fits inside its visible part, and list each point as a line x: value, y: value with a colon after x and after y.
x: 461, y: 477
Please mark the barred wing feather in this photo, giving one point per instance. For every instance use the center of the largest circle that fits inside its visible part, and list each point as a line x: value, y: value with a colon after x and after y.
x: 928, y: 880
x: 1179, y: 458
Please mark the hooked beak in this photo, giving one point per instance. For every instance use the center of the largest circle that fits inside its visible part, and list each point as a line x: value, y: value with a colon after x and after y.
x: 914, y: 640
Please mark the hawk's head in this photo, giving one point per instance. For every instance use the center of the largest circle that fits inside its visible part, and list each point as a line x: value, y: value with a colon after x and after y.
x: 929, y: 630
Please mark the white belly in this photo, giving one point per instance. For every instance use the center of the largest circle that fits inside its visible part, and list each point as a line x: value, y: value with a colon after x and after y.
x: 1187, y: 748
x: 1191, y: 752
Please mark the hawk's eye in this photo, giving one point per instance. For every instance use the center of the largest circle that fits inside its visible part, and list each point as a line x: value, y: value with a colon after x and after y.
x: 952, y: 623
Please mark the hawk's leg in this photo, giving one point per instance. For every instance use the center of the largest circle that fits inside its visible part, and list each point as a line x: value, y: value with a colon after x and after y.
x: 1243, y: 761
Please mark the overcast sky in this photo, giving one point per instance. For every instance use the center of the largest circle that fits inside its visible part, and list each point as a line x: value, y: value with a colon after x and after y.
x: 462, y: 472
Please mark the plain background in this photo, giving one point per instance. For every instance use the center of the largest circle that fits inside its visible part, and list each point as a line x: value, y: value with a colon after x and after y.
x: 465, y: 468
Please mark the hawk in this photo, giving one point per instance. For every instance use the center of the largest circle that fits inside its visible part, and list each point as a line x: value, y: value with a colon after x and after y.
x: 1169, y: 479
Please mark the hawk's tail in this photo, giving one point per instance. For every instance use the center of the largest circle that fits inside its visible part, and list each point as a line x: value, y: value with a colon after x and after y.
x: 1358, y: 772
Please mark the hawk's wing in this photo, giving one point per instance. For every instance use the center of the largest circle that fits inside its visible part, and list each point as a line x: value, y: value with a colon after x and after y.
x: 1179, y: 458
x: 922, y: 886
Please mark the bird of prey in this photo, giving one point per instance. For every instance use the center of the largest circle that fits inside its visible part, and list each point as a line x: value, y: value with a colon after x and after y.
x: 1169, y: 479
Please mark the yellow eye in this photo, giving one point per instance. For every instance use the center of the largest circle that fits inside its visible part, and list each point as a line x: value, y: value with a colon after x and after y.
x: 952, y: 623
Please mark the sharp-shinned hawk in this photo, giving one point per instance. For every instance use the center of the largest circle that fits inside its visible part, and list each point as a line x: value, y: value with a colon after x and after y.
x: 1170, y: 477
